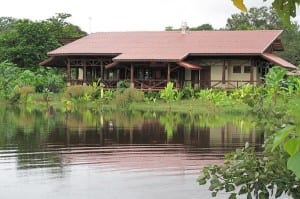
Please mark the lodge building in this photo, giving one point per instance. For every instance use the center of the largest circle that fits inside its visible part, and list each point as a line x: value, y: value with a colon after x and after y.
x: 148, y: 60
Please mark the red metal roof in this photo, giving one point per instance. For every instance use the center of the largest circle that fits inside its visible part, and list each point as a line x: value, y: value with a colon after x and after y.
x: 173, y: 46
x: 169, y: 45
x: 277, y: 60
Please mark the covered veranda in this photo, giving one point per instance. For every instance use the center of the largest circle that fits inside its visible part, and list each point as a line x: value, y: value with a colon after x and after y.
x: 142, y: 74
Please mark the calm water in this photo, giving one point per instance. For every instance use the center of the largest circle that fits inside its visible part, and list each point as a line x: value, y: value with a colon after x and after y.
x: 113, y: 154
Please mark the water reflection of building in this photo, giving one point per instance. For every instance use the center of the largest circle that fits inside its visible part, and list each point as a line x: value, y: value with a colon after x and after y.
x: 151, y: 131
x: 150, y: 145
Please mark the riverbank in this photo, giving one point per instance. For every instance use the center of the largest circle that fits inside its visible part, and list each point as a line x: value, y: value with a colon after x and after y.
x: 57, y: 101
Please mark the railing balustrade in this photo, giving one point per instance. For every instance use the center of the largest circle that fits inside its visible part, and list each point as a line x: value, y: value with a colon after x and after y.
x: 158, y: 84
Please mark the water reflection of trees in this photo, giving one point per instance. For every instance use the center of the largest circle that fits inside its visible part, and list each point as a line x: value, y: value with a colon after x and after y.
x: 38, y: 135
x: 24, y: 130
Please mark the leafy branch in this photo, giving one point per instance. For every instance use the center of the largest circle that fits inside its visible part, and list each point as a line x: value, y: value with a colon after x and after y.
x: 284, y: 8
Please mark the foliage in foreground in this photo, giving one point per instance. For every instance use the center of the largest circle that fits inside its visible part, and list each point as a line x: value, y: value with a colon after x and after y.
x: 284, y: 8
x: 244, y: 173
x: 273, y: 173
x: 277, y: 170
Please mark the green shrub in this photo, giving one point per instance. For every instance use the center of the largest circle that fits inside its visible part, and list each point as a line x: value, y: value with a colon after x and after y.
x: 151, y: 96
x: 122, y: 84
x: 14, y: 97
x: 21, y: 93
x: 187, y: 91
x: 11, y: 76
x: 49, y: 80
x: 8, y: 74
x: 214, y: 96
x: 170, y: 94
x: 80, y: 92
x: 128, y: 96
x: 247, y: 94
x: 108, y: 95
x: 41, y: 79
x: 275, y: 82
x: 293, y: 85
x: 26, y: 90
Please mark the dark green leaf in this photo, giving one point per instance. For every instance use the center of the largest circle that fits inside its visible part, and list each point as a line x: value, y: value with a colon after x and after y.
x: 282, y: 134
x: 232, y: 196
x: 278, y: 192
x: 243, y: 190
x: 263, y: 195
x: 214, y: 194
x: 249, y: 196
x: 229, y: 187
x: 292, y: 146
x: 293, y: 164
x: 202, y: 181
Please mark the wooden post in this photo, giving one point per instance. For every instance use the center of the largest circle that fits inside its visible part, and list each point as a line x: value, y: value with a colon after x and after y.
x: 84, y: 73
x: 251, y: 72
x: 169, y: 73
x: 199, y: 78
x: 101, y: 73
x: 224, y: 73
x: 118, y: 74
x: 69, y: 72
x: 94, y: 73
x: 77, y: 73
x: 131, y: 76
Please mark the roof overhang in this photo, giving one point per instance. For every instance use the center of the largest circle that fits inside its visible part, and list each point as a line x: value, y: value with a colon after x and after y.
x: 46, y: 61
x: 53, y: 61
x: 82, y: 54
x: 189, y: 65
x: 277, y: 60
x: 111, y: 65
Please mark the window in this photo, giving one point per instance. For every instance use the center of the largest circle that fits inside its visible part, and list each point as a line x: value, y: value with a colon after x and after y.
x: 237, y: 69
x: 247, y: 69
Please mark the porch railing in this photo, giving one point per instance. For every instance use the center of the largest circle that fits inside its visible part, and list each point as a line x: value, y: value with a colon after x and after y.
x: 153, y: 84
x: 227, y: 84
x: 110, y: 83
x: 158, y: 84
x: 143, y: 84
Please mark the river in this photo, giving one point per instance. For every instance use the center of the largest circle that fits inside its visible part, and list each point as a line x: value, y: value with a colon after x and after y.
x: 90, y: 154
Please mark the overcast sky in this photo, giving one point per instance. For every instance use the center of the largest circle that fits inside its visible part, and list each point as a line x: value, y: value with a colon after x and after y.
x: 128, y: 15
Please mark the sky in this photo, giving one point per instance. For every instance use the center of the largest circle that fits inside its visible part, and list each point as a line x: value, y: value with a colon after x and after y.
x: 128, y: 15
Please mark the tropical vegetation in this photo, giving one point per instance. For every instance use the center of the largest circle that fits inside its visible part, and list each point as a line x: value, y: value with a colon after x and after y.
x: 23, y: 45
x: 272, y: 172
x: 276, y: 171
